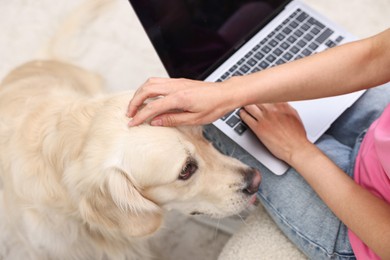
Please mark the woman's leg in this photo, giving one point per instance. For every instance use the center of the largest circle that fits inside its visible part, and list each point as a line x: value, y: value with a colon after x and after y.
x: 294, y: 206
x: 302, y: 215
x: 360, y: 115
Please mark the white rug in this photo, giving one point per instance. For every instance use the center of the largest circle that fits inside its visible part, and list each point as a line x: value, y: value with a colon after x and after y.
x: 114, y: 44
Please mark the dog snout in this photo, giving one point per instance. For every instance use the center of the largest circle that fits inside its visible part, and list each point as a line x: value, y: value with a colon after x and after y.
x: 252, y: 179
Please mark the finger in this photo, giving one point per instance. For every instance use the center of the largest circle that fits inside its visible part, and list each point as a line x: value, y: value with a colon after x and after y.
x: 174, y: 119
x: 255, y: 111
x: 153, y: 87
x: 138, y: 100
x: 153, y: 109
x: 132, y: 109
x: 248, y: 119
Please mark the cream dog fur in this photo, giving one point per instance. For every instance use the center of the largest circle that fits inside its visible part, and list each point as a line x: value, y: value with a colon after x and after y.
x: 78, y: 183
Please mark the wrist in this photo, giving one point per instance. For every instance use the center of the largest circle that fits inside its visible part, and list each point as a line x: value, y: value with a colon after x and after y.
x: 302, y: 154
x: 236, y: 94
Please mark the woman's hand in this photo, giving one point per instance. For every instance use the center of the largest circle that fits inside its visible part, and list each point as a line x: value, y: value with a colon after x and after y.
x: 279, y: 128
x: 178, y: 102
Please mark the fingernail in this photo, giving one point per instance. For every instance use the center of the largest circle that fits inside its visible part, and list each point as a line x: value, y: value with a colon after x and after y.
x: 130, y: 123
x: 156, y: 122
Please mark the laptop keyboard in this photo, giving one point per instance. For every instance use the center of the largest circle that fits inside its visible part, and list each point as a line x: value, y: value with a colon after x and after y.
x: 298, y: 36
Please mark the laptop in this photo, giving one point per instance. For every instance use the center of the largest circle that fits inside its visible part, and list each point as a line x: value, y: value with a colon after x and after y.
x: 213, y: 40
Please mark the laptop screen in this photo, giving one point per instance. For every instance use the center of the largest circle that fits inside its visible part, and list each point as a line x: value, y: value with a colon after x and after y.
x: 192, y: 37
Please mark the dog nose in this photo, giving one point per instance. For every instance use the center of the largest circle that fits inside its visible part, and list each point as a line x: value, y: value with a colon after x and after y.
x: 252, y: 180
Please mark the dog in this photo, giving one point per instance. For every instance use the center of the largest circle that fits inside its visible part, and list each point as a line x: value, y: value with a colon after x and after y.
x: 78, y: 183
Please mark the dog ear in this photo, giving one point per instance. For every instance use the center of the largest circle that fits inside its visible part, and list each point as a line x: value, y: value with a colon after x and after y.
x: 119, y: 207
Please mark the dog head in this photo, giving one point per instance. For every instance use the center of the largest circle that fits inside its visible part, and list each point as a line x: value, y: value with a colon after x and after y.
x: 126, y: 177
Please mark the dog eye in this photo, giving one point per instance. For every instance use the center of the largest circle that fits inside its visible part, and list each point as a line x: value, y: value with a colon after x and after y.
x: 188, y: 170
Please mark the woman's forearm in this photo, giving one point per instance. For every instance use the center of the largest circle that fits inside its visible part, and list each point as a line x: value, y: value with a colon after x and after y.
x: 344, y: 69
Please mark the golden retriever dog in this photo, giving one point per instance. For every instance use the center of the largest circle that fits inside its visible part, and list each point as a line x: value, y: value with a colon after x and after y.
x: 77, y: 183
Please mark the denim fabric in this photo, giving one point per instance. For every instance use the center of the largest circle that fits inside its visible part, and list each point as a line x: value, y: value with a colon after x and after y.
x: 291, y: 202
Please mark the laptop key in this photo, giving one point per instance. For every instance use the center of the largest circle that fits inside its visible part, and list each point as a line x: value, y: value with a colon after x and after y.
x: 277, y: 52
x: 240, y: 128
x: 306, y: 52
x: 244, y: 69
x: 285, y: 45
x: 339, y: 39
x: 264, y: 65
x: 294, y: 49
x: 233, y: 68
x: 317, y: 23
x: 287, y: 30
x: 270, y: 58
x: 298, y: 33
x: 252, y: 62
x: 302, y: 17
x: 280, y: 37
x: 330, y: 43
x: 305, y: 27
x: 266, y: 49
x: 273, y: 43
x: 294, y: 14
x: 226, y: 115
x: 225, y: 75
x: 323, y: 36
x: 259, y: 56
x: 294, y: 24
x: 248, y: 54
x: 287, y: 56
x: 315, y: 31
x: 233, y: 120
x: 313, y: 46
x: 291, y: 39
x: 302, y: 43
x: 308, y: 37
x: 241, y: 61
x: 256, y: 47
x: 256, y: 69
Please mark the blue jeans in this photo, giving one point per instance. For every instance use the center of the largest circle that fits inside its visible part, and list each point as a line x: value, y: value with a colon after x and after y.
x: 291, y: 202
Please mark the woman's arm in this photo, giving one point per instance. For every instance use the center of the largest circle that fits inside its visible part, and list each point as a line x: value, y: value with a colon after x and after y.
x: 343, y: 69
x: 278, y: 126
x: 366, y: 215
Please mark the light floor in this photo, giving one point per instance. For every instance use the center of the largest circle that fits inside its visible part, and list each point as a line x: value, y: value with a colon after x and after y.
x: 187, y: 239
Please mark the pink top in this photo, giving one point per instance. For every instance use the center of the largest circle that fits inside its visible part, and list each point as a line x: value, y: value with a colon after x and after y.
x: 372, y: 171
